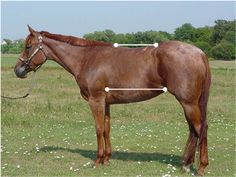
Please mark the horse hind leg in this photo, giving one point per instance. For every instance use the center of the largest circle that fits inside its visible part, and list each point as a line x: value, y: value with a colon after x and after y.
x: 190, y: 149
x: 193, y: 117
x: 203, y: 135
x: 203, y: 149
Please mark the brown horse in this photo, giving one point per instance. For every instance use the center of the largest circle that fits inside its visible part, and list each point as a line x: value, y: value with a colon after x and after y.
x: 182, y: 68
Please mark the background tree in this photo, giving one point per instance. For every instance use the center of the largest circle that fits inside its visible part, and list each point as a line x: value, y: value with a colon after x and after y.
x: 224, y: 50
x: 12, y: 46
x: 185, y: 33
x: 221, y: 28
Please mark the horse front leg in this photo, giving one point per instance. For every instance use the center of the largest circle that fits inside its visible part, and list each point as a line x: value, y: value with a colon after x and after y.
x: 107, y: 135
x: 97, y: 106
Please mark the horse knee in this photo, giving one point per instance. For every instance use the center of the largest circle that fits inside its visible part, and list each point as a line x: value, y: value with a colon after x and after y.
x: 99, y: 132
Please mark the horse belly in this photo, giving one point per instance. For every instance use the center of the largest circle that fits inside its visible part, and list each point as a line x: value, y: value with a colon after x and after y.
x: 130, y: 96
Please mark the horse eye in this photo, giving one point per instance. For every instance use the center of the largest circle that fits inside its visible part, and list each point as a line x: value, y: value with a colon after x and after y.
x: 28, y: 46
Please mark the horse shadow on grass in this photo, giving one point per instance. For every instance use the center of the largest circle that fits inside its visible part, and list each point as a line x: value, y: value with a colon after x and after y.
x: 172, y: 159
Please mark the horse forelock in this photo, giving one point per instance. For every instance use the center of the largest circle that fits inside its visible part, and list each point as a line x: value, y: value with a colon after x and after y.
x: 75, y: 41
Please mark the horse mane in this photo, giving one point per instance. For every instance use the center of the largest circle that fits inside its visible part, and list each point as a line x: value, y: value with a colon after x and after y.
x: 75, y: 41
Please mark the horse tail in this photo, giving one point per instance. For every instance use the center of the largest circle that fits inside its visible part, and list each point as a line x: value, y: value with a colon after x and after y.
x: 204, y: 99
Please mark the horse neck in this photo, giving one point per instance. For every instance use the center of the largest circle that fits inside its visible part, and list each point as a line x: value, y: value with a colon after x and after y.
x: 69, y: 57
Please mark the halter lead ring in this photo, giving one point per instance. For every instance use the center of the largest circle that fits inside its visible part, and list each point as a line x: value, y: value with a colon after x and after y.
x: 27, y: 61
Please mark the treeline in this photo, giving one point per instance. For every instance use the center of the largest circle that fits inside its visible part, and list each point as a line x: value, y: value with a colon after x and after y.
x: 217, y: 42
x: 12, y: 47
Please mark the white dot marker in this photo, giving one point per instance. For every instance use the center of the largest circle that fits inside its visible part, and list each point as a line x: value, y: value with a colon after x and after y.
x: 165, y: 89
x: 115, y: 44
x: 107, y: 89
x: 156, y: 45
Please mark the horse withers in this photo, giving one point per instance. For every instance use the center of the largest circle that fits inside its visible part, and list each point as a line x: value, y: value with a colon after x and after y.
x: 181, y: 67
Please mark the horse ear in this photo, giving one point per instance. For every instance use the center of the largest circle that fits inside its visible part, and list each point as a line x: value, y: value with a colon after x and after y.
x: 31, y: 30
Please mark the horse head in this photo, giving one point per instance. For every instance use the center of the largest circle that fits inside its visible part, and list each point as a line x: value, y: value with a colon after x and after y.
x: 33, y: 55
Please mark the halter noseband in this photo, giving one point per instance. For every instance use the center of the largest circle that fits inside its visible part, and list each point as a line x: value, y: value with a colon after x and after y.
x: 27, y: 61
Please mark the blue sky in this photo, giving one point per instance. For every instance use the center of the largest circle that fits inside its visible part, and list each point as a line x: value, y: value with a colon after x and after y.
x: 79, y: 18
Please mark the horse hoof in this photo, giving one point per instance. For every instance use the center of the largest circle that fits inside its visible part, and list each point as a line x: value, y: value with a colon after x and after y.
x: 186, y: 168
x: 200, y: 172
x: 106, y: 163
x: 106, y: 160
x: 96, y: 165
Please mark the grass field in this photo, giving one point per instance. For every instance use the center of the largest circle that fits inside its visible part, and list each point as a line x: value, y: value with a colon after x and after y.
x: 51, y: 133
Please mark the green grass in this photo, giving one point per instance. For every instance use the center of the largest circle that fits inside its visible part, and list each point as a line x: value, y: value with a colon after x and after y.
x: 51, y: 133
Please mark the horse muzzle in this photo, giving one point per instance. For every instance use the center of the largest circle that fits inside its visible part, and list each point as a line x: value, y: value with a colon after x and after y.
x: 21, y: 71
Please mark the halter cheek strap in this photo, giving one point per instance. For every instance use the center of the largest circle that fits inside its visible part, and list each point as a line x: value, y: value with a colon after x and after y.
x: 27, y: 61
